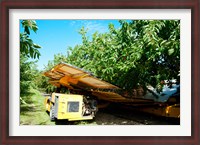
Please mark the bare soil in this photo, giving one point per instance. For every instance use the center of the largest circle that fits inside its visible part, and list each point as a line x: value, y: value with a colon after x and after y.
x: 103, y: 118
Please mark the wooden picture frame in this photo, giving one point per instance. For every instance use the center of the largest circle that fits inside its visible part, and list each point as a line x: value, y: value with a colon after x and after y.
x: 6, y: 5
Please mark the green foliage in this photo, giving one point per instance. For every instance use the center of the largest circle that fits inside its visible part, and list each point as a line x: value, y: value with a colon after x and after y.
x: 27, y: 46
x: 58, y: 58
x: 29, y: 24
x: 28, y: 73
x: 141, y: 52
x: 44, y: 85
x: 28, y: 49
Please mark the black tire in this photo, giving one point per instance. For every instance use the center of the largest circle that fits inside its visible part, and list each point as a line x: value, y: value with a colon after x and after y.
x: 52, y: 113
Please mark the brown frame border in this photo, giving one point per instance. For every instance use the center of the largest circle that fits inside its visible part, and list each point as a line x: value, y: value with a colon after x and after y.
x: 194, y: 5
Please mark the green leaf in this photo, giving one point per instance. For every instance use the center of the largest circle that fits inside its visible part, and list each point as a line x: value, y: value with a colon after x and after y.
x: 31, y: 52
x: 171, y: 51
x: 35, y: 29
x: 36, y: 46
x: 26, y: 29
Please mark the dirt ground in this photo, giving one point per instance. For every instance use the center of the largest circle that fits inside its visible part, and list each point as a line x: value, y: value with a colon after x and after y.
x: 103, y: 118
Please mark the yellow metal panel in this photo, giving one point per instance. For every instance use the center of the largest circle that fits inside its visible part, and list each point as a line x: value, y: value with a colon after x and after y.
x: 69, y: 76
x: 63, y: 105
x: 53, y: 75
x: 110, y: 95
x: 68, y: 69
x: 55, y: 84
x: 96, y: 83
x: 67, y: 80
x: 53, y: 97
x: 74, y: 75
x: 173, y: 111
x: 47, y: 104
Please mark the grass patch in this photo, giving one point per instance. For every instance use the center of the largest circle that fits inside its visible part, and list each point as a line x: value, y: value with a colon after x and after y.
x: 32, y: 111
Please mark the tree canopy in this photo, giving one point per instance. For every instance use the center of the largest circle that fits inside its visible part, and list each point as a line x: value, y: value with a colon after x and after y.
x: 27, y: 46
x: 28, y: 49
x: 141, y: 52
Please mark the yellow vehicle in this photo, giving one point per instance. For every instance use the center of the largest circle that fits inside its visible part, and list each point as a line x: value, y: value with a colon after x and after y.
x: 83, y: 83
x: 70, y: 107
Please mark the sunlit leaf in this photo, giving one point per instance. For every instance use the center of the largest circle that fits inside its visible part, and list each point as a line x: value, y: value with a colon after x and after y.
x: 171, y: 51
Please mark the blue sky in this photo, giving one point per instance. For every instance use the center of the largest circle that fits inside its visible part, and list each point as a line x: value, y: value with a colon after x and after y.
x: 55, y: 36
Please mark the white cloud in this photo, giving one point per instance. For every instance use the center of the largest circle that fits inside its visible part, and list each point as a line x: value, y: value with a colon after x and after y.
x: 90, y: 25
x: 94, y: 26
x: 72, y: 23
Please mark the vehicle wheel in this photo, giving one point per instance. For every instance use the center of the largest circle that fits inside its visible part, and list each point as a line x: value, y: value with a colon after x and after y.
x: 52, y: 113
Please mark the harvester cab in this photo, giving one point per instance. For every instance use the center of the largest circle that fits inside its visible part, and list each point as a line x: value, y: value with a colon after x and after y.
x: 71, y: 107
